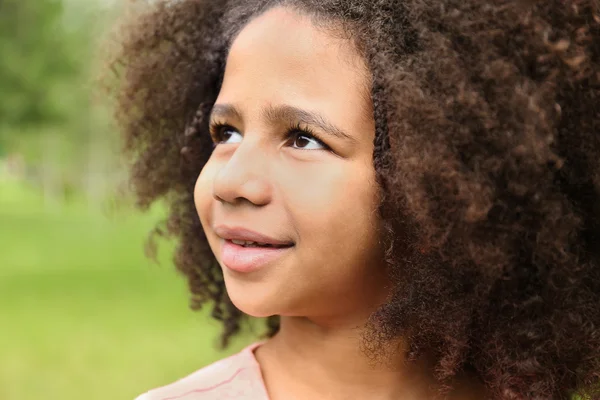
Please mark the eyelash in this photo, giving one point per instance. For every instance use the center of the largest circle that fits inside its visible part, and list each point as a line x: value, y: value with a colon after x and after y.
x: 215, y: 133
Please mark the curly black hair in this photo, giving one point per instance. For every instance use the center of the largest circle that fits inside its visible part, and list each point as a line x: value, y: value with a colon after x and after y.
x: 487, y: 153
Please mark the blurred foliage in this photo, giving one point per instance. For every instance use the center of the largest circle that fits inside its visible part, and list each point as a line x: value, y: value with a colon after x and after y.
x: 47, y: 50
x: 36, y: 62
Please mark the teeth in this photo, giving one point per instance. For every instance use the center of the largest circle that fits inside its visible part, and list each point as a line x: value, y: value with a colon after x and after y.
x: 248, y: 243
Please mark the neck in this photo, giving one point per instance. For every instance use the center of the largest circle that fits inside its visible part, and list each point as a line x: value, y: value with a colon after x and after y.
x: 324, y: 360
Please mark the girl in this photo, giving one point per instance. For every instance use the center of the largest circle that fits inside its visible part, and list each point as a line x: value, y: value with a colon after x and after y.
x: 408, y: 191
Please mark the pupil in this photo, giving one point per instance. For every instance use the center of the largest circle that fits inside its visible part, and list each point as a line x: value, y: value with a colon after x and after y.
x: 226, y: 134
x: 301, y: 139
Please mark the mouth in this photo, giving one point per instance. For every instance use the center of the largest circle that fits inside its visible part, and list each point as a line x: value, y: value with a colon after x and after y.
x: 249, y: 244
x: 249, y: 238
x: 245, y: 257
x: 244, y: 250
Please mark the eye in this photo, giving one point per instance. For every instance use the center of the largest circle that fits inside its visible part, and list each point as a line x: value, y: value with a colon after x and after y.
x: 298, y: 137
x: 224, y: 134
x: 304, y: 139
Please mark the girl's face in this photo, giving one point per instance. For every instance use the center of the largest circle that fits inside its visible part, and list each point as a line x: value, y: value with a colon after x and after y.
x: 294, y: 163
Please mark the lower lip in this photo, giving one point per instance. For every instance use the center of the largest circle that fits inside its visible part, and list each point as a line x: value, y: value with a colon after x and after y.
x: 248, y: 259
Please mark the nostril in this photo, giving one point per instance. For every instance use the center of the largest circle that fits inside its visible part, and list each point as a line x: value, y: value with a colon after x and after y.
x: 219, y: 199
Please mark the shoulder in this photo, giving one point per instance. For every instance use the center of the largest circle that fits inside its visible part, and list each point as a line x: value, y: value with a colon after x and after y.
x: 235, y: 377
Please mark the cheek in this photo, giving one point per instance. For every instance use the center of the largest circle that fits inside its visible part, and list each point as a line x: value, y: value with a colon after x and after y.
x: 339, y: 202
x: 203, y: 194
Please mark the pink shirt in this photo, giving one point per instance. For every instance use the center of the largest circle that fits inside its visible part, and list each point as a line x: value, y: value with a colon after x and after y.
x: 235, y: 377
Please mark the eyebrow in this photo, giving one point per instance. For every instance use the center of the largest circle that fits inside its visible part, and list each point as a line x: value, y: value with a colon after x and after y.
x: 287, y: 113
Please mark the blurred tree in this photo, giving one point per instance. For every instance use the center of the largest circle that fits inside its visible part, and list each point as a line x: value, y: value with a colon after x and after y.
x: 34, y: 60
x: 47, y: 49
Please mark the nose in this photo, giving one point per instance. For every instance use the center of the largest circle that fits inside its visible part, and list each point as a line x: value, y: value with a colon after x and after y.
x: 244, y: 177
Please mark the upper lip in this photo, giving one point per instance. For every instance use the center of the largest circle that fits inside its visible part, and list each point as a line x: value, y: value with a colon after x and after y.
x: 238, y: 233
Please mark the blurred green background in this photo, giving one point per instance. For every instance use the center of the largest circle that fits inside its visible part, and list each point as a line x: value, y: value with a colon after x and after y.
x: 83, y: 313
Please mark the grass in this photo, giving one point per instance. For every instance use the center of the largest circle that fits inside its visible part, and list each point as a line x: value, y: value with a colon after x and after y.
x: 83, y: 314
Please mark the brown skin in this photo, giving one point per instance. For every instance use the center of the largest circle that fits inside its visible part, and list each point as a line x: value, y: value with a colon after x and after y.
x: 297, y: 188
x: 487, y: 158
x: 293, y: 187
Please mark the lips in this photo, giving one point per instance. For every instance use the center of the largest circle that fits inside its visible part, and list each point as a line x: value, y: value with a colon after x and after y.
x: 247, y: 235
x: 248, y: 244
x: 249, y: 259
x: 245, y: 251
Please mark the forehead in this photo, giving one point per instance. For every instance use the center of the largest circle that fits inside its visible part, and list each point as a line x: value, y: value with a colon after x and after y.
x: 281, y: 57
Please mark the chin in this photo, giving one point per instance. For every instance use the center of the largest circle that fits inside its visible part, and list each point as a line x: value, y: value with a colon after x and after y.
x: 253, y: 298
